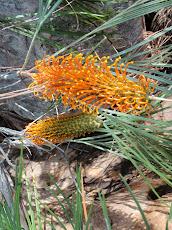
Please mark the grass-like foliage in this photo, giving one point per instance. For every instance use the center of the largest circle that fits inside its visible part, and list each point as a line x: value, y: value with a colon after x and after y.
x: 10, y: 204
x: 75, y: 206
x: 11, y: 216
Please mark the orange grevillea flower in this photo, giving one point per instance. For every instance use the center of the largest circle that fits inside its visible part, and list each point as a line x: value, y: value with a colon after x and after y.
x: 63, y: 127
x: 90, y: 85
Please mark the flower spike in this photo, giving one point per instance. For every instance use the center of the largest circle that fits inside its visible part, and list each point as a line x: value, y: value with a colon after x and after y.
x: 62, y: 128
x: 85, y: 86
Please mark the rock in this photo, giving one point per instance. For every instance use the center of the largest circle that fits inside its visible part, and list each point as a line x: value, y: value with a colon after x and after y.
x: 21, y: 108
x: 128, y: 33
x: 14, y: 43
x: 15, y: 46
x: 26, y: 106
x: 12, y: 8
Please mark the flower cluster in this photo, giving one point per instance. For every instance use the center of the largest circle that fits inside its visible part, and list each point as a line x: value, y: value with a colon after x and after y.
x: 86, y: 85
x: 63, y: 127
x: 91, y: 85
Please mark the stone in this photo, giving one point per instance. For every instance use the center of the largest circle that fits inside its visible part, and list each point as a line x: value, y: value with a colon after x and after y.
x: 26, y: 107
x: 15, y: 46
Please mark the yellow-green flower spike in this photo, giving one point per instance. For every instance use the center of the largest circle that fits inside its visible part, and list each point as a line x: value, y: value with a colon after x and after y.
x: 62, y: 128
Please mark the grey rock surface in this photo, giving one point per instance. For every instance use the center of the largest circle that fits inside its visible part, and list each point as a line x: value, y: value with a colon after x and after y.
x: 13, y: 44
x: 26, y: 106
x: 126, y: 34
x: 17, y: 45
x: 15, y: 7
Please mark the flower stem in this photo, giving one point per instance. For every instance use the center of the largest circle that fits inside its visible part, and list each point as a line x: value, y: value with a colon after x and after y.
x: 159, y: 98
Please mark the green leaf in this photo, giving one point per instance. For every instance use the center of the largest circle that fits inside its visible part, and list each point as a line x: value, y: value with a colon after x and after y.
x: 37, y: 206
x: 104, y: 208
x: 87, y: 227
x: 137, y: 203
x: 169, y: 218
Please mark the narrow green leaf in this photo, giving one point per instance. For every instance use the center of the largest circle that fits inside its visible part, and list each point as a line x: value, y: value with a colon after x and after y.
x: 28, y: 220
x: 30, y: 202
x: 61, y: 192
x: 87, y: 227
x: 137, y: 203
x: 49, y: 210
x: 169, y: 218
x: 104, y: 208
x: 52, y: 227
x: 61, y: 204
x: 37, y: 205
